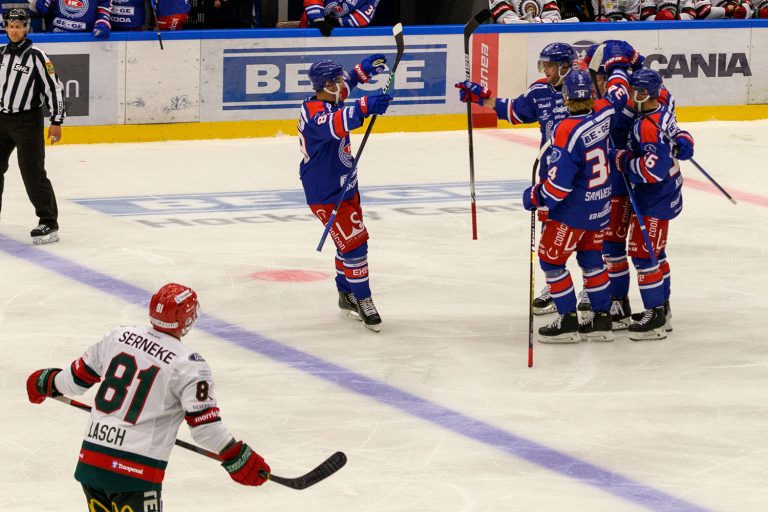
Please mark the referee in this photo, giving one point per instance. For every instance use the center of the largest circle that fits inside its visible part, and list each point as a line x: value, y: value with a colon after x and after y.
x: 27, y: 77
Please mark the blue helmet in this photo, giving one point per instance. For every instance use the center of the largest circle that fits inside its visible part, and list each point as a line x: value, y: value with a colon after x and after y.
x: 647, y: 79
x: 323, y: 71
x: 577, y: 85
x: 561, y: 53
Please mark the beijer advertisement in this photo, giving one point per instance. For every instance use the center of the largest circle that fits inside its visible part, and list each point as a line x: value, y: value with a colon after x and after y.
x: 267, y: 79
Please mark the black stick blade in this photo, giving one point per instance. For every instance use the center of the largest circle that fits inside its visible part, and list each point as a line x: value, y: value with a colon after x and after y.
x: 477, y: 20
x: 331, y: 465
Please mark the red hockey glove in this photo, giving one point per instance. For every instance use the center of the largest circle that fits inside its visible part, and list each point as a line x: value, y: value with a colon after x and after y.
x: 243, y: 464
x: 683, y: 145
x: 620, y: 159
x: 743, y: 11
x: 470, y: 91
x: 40, y: 385
x: 665, y: 15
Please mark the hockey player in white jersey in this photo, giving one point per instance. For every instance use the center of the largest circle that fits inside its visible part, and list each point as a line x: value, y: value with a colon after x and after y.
x: 150, y: 383
x: 719, y: 9
x: 616, y: 10
x: 507, y: 12
x: 664, y: 10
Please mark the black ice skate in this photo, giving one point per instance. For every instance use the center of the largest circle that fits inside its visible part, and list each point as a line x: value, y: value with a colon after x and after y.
x: 543, y: 304
x: 368, y: 314
x: 565, y: 329
x: 650, y: 326
x: 667, y: 316
x: 620, y: 313
x: 596, y: 326
x: 348, y: 305
x: 584, y: 303
x: 43, y: 234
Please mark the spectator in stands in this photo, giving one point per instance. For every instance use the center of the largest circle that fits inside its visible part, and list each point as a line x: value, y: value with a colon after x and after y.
x: 327, y: 14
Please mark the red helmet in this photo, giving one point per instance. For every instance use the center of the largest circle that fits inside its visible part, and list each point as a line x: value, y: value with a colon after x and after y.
x: 173, y: 309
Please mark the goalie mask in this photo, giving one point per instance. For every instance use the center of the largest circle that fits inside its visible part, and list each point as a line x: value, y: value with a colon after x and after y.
x: 173, y: 309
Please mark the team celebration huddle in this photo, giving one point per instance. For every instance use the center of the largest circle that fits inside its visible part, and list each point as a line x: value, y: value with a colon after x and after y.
x: 607, y: 187
x: 609, y: 142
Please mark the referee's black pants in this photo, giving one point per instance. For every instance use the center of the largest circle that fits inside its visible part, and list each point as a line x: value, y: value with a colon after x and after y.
x: 25, y: 132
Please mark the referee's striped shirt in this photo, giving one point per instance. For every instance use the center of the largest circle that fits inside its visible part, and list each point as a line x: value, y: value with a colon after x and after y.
x: 27, y: 77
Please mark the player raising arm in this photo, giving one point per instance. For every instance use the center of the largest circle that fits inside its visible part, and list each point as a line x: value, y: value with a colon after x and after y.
x: 324, y: 129
x: 148, y: 383
x: 542, y: 103
x: 577, y: 192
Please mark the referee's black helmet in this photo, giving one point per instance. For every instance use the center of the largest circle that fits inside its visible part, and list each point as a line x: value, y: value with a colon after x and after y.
x: 17, y: 15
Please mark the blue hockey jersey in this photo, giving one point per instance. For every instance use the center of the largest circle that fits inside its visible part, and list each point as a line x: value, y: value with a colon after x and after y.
x: 346, y: 13
x: 577, y: 189
x: 324, y: 139
x: 542, y: 103
x: 128, y: 14
x: 654, y: 173
x: 621, y: 133
x: 76, y: 15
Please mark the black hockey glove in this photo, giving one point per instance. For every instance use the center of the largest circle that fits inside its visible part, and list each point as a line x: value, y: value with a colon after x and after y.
x: 324, y: 27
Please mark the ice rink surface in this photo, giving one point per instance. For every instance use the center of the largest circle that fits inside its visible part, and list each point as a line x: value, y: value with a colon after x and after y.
x: 439, y: 411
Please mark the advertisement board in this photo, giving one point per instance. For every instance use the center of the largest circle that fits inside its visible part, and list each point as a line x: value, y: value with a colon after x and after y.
x: 91, y: 74
x: 268, y: 78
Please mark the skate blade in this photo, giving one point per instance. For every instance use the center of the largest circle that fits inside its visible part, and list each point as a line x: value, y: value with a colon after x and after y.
x: 621, y: 325
x: 374, y: 328
x: 655, y: 334
x: 545, y: 310
x: 351, y: 315
x: 668, y: 326
x: 47, y: 239
x: 562, y: 339
x: 598, y: 336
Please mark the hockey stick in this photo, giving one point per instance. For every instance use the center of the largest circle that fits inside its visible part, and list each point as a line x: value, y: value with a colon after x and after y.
x: 397, y: 32
x: 469, y: 28
x: 594, y: 65
x: 533, y: 256
x: 157, y: 24
x: 694, y: 162
x: 331, y: 465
